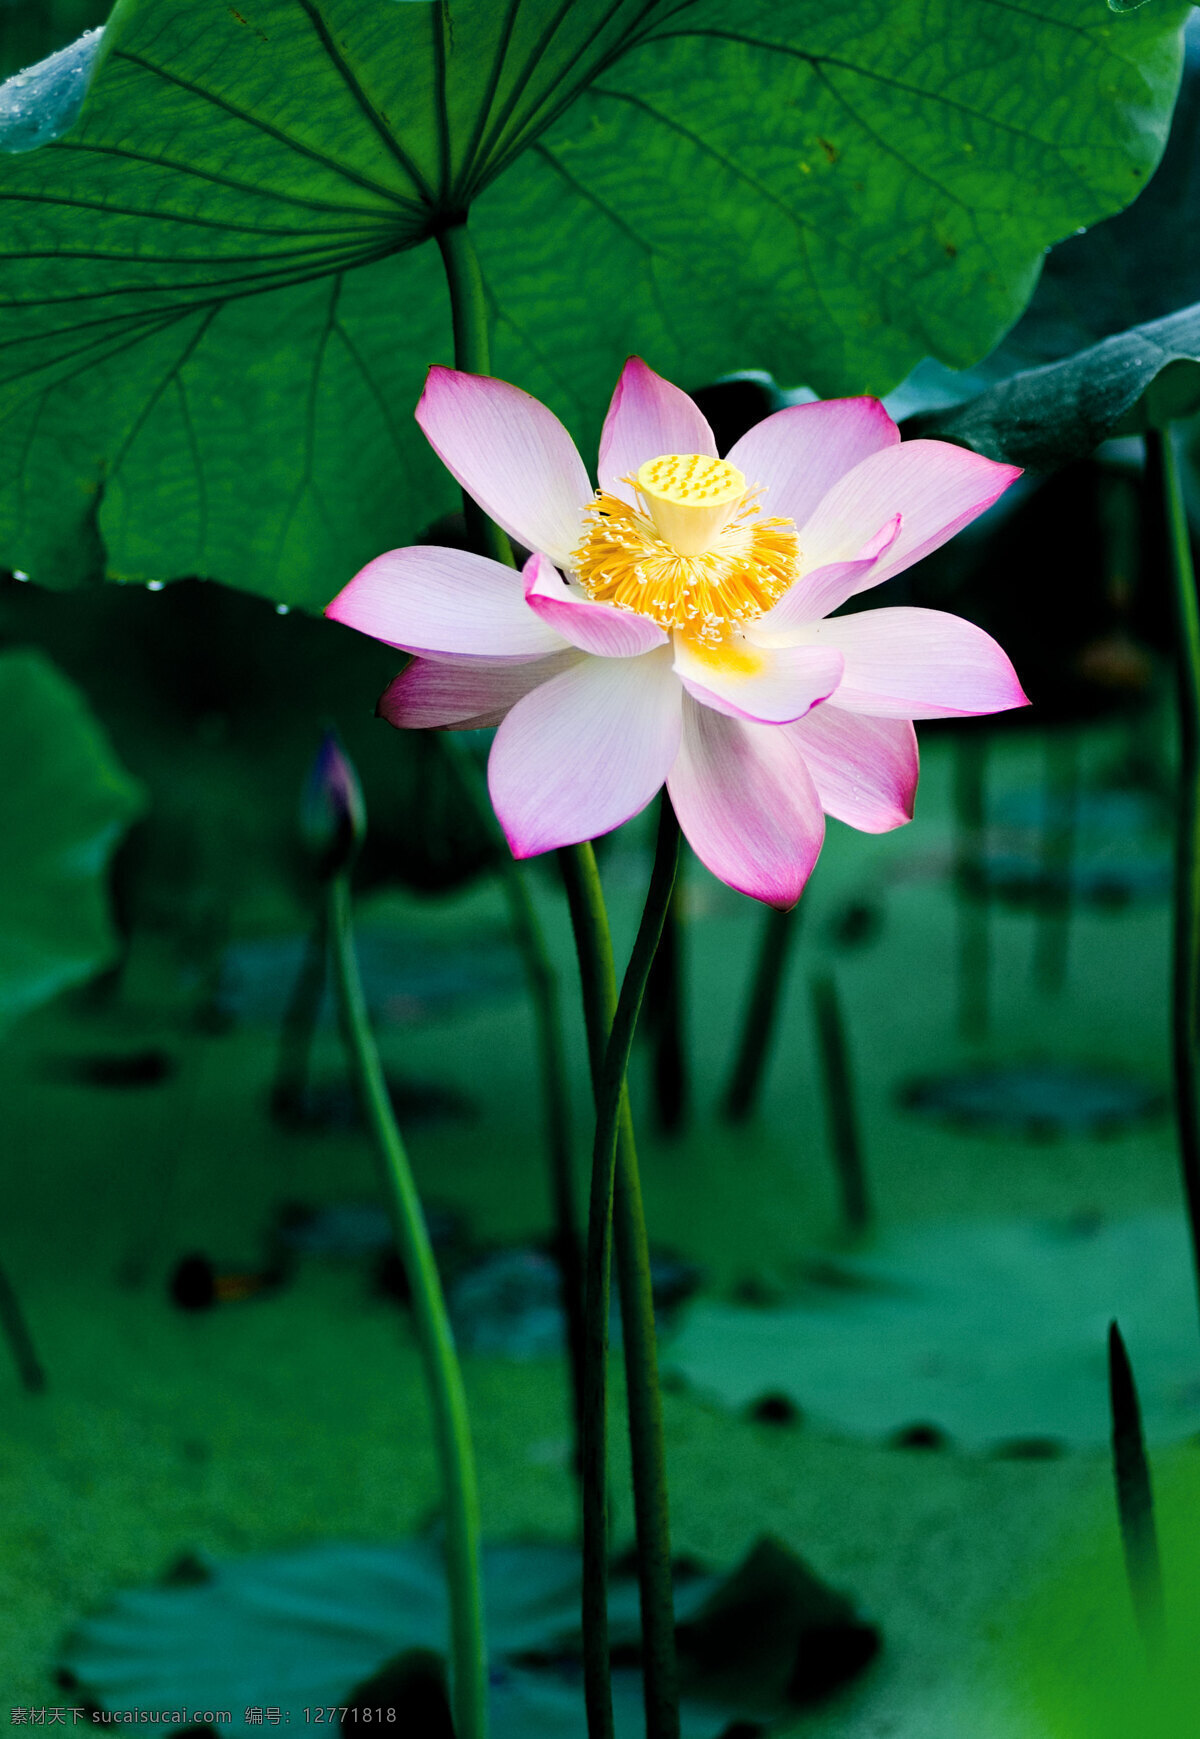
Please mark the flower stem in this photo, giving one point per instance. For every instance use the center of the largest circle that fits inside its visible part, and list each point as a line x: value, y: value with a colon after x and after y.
x: 472, y: 354
x: 1164, y: 470
x: 762, y: 1011
x: 434, y: 1336
x: 616, y: 1202
x: 543, y: 995
x: 468, y: 302
x: 299, y: 1026
x: 666, y: 1017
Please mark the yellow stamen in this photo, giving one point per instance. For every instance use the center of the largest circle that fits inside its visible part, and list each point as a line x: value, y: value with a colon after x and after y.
x: 745, y: 565
x: 691, y: 498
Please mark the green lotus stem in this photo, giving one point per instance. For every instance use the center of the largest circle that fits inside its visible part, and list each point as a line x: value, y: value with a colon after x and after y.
x: 299, y: 1026
x: 762, y: 1013
x: 472, y: 354
x: 1185, y: 974
x: 666, y: 1017
x: 542, y: 981
x: 468, y: 1655
x: 1052, y: 942
x: 1135, y: 1495
x: 616, y: 1201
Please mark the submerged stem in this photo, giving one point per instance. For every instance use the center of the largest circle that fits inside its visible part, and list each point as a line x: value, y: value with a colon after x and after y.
x: 435, y: 1339
x: 762, y: 1013
x: 845, y: 1140
x: 20, y: 1341
x: 1163, y: 466
x: 1135, y: 1495
x: 300, y: 1025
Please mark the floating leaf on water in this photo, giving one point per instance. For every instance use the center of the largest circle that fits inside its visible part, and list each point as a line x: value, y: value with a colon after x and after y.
x: 406, y: 977
x: 1039, y: 1101
x: 509, y: 1303
x: 307, y: 1628
x: 992, y: 1333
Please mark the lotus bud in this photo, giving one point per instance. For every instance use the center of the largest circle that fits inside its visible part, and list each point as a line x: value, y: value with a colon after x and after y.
x: 333, y: 815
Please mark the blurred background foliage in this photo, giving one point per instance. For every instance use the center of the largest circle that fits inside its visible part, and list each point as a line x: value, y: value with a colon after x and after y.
x: 64, y: 806
x: 32, y: 29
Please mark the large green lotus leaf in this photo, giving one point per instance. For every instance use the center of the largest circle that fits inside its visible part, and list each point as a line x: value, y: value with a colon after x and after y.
x: 64, y: 804
x: 993, y: 1332
x: 1138, y: 266
x: 219, y: 315
x: 1111, y: 341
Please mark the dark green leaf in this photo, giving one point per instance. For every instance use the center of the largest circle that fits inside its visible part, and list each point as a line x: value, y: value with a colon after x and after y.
x: 64, y: 804
x: 1044, y: 417
x: 219, y: 315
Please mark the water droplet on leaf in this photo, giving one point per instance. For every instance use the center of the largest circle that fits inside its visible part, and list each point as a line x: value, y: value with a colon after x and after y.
x: 43, y: 102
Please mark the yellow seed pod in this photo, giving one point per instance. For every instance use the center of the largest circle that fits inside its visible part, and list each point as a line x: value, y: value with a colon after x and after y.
x: 691, y: 498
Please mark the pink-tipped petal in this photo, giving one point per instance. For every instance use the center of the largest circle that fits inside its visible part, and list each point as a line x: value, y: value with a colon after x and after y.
x: 444, y: 602
x: 938, y: 488
x: 511, y: 455
x: 918, y: 664
x: 648, y: 417
x: 864, y: 769
x: 431, y: 695
x: 598, y: 628
x: 815, y: 594
x: 585, y: 751
x: 798, y: 454
x: 747, y: 803
x: 757, y: 682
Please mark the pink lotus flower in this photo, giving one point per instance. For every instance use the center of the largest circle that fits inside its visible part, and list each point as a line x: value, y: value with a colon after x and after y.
x: 673, y: 627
